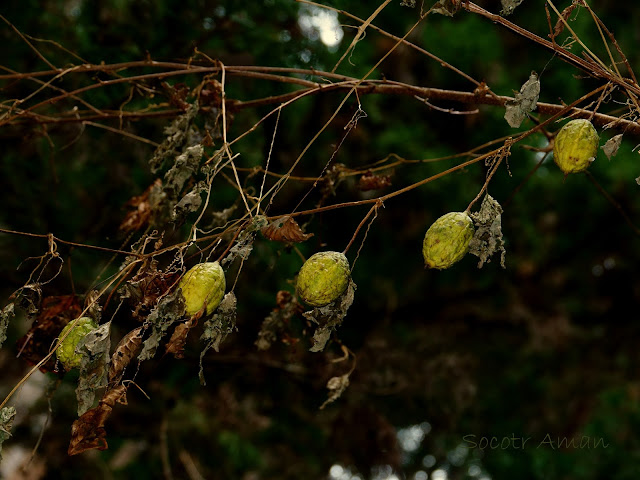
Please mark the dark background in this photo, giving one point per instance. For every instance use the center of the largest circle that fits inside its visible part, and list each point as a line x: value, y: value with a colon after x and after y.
x: 545, y: 347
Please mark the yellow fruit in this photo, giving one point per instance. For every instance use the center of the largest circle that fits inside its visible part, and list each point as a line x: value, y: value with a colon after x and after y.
x: 447, y: 240
x: 66, y: 352
x: 576, y: 146
x: 203, y: 284
x: 323, y: 278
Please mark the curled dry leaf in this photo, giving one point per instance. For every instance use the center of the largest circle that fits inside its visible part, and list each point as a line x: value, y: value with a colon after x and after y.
x: 524, y: 102
x: 178, y: 339
x: 611, y: 147
x: 54, y: 315
x: 88, y: 432
x: 371, y: 181
x: 336, y: 387
x: 559, y: 27
x: 487, y: 239
x: 126, y: 350
x: 330, y: 317
x: 285, y: 229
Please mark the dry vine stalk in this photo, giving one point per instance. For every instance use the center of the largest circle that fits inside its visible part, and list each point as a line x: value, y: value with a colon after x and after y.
x: 187, y: 170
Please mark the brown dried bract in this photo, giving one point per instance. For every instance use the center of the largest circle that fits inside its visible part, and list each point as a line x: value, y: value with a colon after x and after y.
x: 139, y: 216
x: 126, y: 350
x: 371, y: 181
x: 54, y: 315
x: 88, y: 432
x: 285, y: 229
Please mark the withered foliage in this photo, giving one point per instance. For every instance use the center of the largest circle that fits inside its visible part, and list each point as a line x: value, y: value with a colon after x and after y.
x: 371, y: 181
x: 244, y: 244
x: 330, y: 317
x: 126, y: 350
x: 6, y: 315
x: 55, y: 313
x: 566, y: 13
x: 177, y: 94
x: 336, y: 387
x: 285, y: 229
x: 446, y: 7
x: 278, y: 321
x: 487, y: 238
x: 330, y: 181
x: 140, y: 210
x: 610, y: 148
x: 508, y: 6
x: 7, y: 414
x: 218, y: 327
x: 144, y: 289
x: 177, y: 135
x: 176, y: 343
x: 524, y: 102
x: 93, y: 366
x: 169, y: 309
x: 88, y: 432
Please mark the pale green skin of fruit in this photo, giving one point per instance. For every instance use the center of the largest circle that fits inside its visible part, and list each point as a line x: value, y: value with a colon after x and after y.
x: 447, y: 240
x: 323, y: 278
x: 66, y: 352
x: 205, y: 282
x: 576, y: 146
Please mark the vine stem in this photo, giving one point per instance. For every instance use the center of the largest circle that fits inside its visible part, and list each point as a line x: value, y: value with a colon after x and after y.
x: 369, y: 213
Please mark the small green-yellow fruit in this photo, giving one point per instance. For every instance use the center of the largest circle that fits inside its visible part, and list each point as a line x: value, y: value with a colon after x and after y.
x: 204, y: 283
x: 447, y: 240
x: 323, y: 278
x: 66, y: 352
x: 576, y: 146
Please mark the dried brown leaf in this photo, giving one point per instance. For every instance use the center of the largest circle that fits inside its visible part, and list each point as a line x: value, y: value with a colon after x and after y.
x: 285, y: 229
x: 126, y: 350
x: 178, y: 339
x: 88, y: 432
x: 559, y: 27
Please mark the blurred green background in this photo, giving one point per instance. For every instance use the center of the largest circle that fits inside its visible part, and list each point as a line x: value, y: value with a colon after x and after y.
x: 545, y: 349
